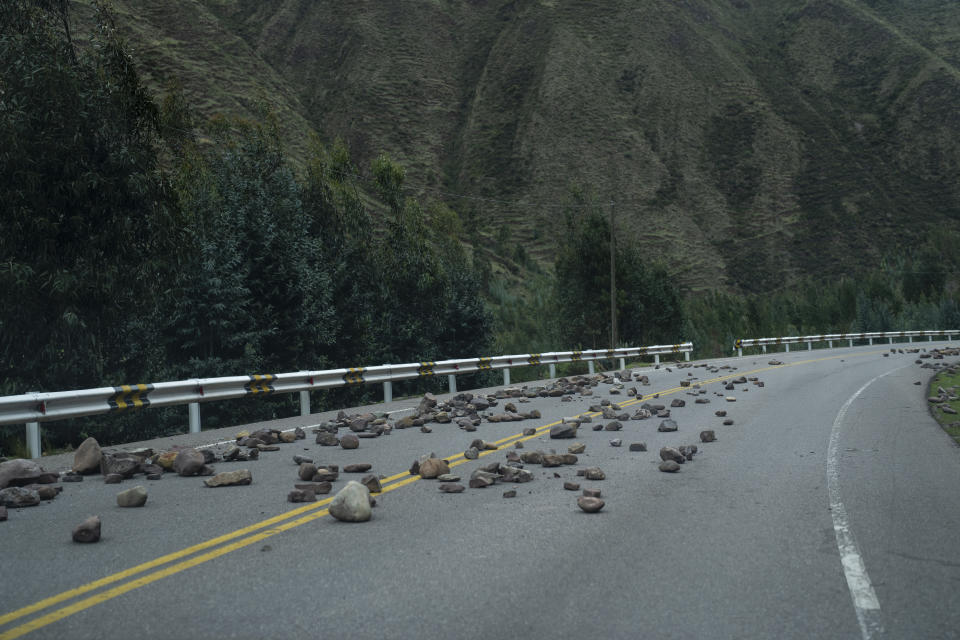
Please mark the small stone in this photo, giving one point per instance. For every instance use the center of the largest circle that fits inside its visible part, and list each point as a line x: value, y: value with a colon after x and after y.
x: 135, y: 497
x: 670, y: 453
x: 433, y: 467
x: 576, y: 448
x: 372, y: 483
x: 667, y: 426
x: 571, y: 486
x: 327, y: 439
x: 88, y: 530
x: 424, y: 429
x: 616, y: 442
x: 154, y: 476
x: 565, y: 430
x: 731, y: 398
x: 112, y: 478
x: 708, y: 436
x: 590, y: 505
x: 551, y: 460
x: 352, y: 503
x: 529, y: 431
x: 613, y: 426
x: 71, y: 477
x: 720, y: 414
x: 448, y: 477
x: 591, y: 493
x: 638, y: 446
x: 230, y: 478
x: 298, y: 459
x: 287, y: 437
x: 325, y: 475
x: 511, y: 493
x: 471, y: 453
x: 480, y: 479
x: 677, y: 402
x: 306, y: 471
x: 301, y: 495
x: 299, y: 433
x: 451, y: 488
x: 594, y: 473
x: 349, y: 441
x: 669, y: 466
x: 359, y: 467
x: 728, y: 422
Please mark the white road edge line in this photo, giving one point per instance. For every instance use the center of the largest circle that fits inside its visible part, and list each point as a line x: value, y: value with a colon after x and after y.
x: 858, y: 582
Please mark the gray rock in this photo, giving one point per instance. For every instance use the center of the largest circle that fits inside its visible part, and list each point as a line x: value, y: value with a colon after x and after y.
x: 449, y: 487
x: 350, y: 441
x: 565, y: 430
x: 677, y: 402
x: 515, y: 475
x: 135, y: 497
x: 667, y: 426
x: 613, y: 426
x: 359, y: 467
x: 297, y: 460
x: 571, y: 486
x: 87, y: 457
x: 594, y: 473
x: 669, y: 466
x: 352, y: 503
x: 638, y: 446
x: 670, y: 453
x: 510, y: 493
x: 591, y: 493
x: 306, y: 471
x: 189, y: 462
x: 577, y: 448
x: 708, y: 436
x: 112, y: 478
x: 88, y: 530
x: 301, y: 495
x: 448, y: 477
x: 71, y: 477
x: 590, y: 505
x: 45, y: 491
x: 616, y: 442
x: 372, y: 483
x: 16, y: 497
x: 230, y: 478
x: 480, y: 479
x: 327, y: 439
x: 471, y: 453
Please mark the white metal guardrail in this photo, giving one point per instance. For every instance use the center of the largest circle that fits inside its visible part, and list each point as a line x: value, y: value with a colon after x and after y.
x: 840, y: 337
x: 34, y: 408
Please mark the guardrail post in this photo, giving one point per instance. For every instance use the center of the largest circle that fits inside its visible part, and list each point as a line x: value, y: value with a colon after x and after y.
x: 388, y: 391
x: 590, y: 367
x: 871, y: 342
x: 506, y: 376
x: 810, y: 345
x: 553, y: 370
x: 33, y: 439
x: 656, y: 358
x: 787, y: 345
x: 890, y: 339
x: 452, y: 381
x: 623, y: 364
x: 304, y: 403
x: 929, y: 338
x: 764, y: 348
x: 740, y: 352
x: 830, y: 344
x: 851, y: 342
x: 686, y: 356
x: 909, y: 338
x: 194, y: 410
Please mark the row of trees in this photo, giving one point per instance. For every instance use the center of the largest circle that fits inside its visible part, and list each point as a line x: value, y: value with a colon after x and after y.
x: 136, y: 248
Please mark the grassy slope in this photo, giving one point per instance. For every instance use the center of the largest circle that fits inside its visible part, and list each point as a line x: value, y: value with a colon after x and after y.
x: 745, y: 142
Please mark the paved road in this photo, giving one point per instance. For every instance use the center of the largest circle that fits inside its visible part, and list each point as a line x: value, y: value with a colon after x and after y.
x: 835, y: 457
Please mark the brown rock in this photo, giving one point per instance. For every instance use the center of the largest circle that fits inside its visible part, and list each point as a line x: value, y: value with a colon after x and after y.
x: 590, y: 505
x: 577, y: 447
x: 112, y: 478
x: 511, y: 493
x: 189, y: 462
x: 372, y: 483
x: 638, y: 446
x: 451, y: 487
x: 359, y: 467
x: 301, y: 495
x: 669, y: 466
x: 594, y: 473
x: 350, y: 441
x: 433, y: 467
x: 708, y: 436
x: 571, y: 486
x: 230, y: 478
x: 591, y: 493
x: 306, y: 471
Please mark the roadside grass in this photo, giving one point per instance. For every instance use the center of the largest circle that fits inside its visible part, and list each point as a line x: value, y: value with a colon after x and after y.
x: 950, y: 422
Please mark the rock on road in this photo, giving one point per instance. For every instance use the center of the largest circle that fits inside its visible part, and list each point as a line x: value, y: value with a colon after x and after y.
x: 740, y: 542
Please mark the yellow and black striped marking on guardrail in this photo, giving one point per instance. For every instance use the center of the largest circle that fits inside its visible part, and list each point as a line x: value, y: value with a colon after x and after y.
x: 675, y: 348
x: 576, y: 355
x: 260, y: 384
x: 738, y: 344
x: 130, y: 396
x: 484, y: 363
x: 534, y: 358
x: 610, y: 353
x: 426, y: 368
x: 354, y: 375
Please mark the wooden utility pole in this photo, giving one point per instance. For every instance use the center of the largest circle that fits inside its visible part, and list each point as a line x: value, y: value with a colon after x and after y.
x: 613, y: 284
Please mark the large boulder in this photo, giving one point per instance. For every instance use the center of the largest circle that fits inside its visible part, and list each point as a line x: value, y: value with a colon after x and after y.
x: 17, y: 473
x: 352, y: 503
x: 16, y: 497
x: 433, y: 467
x: 87, y: 457
x: 230, y: 478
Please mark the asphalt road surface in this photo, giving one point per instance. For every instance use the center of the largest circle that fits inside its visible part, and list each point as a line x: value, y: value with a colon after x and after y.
x: 829, y: 509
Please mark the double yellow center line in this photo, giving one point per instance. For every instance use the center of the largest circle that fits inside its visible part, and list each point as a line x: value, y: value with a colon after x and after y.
x: 265, y: 529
